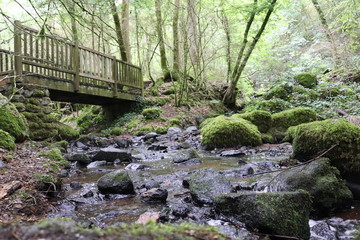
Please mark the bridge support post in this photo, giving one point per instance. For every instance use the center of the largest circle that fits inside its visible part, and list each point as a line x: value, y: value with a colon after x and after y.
x: 76, y: 64
x: 18, y: 66
x: 115, y: 76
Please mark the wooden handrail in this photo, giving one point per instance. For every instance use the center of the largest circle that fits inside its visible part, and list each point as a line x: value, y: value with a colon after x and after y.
x: 57, y: 57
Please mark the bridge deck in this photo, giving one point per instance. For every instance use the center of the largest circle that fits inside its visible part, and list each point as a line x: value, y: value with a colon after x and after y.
x: 73, y: 73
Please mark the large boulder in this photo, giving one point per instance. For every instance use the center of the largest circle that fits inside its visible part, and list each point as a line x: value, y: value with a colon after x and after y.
x: 110, y: 154
x: 285, y: 119
x: 281, y: 91
x: 116, y: 182
x: 322, y: 181
x: 292, y: 117
x: 205, y: 185
x: 7, y: 141
x: 12, y: 121
x: 279, y: 213
x: 307, y: 80
x: 337, y: 139
x: 229, y: 132
x: 261, y: 119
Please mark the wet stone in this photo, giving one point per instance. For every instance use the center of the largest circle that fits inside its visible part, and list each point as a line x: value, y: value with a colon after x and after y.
x: 158, y: 146
x: 116, y: 182
x: 110, y: 154
x: 2, y: 164
x: 81, y: 158
x: 81, y: 146
x: 232, y: 153
x: 154, y: 195
x: 123, y: 143
x: 88, y: 194
x: 189, y: 162
x: 75, y: 185
x: 96, y: 164
x: 136, y: 167
x: 150, y: 135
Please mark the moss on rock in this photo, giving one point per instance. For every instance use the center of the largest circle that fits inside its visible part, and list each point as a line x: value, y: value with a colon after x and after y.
x: 151, y: 113
x: 261, y: 119
x: 230, y: 132
x: 13, y: 122
x: 282, y: 91
x: 285, y: 119
x: 306, y: 79
x: 311, y: 139
x: 65, y: 132
x: 7, y: 141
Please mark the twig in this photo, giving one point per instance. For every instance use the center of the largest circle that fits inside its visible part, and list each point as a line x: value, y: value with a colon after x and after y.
x: 297, y: 165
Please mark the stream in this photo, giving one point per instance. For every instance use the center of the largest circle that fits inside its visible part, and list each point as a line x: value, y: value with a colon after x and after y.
x: 82, y: 201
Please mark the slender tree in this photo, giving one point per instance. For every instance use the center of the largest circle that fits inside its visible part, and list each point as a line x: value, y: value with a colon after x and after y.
x: 119, y: 34
x: 229, y: 98
x: 160, y: 35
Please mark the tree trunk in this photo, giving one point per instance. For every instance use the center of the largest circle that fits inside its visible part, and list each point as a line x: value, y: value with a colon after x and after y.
x: 225, y: 23
x: 118, y: 29
x: 176, y: 64
x: 74, y: 31
x: 159, y: 30
x: 125, y: 20
x: 329, y: 36
x: 229, y: 99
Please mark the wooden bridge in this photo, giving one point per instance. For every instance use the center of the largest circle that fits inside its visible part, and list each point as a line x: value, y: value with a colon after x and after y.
x: 72, y: 73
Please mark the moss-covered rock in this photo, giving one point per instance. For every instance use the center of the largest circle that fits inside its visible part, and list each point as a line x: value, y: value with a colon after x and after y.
x: 230, y: 132
x: 306, y: 92
x: 280, y: 213
x: 116, y: 182
x: 307, y: 80
x: 207, y: 184
x: 65, y: 132
x: 63, y: 228
x: 13, y: 122
x: 321, y: 180
x: 161, y: 130
x: 285, y: 119
x: 261, y: 119
x: 282, y: 91
x: 7, y: 141
x: 312, y: 139
x: 151, y: 113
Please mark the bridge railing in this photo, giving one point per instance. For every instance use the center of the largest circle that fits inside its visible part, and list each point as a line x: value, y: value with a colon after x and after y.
x: 58, y: 58
x: 6, y: 61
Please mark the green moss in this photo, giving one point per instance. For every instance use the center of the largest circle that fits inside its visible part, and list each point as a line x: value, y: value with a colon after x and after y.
x: 61, y: 145
x: 65, y: 132
x: 273, y: 105
x: 20, y: 106
x: 282, y: 91
x: 33, y: 108
x: 176, y: 122
x: 53, y: 154
x: 13, y: 122
x: 230, y: 132
x: 151, y: 113
x: 261, y: 119
x: 161, y: 130
x: 7, y: 141
x: 306, y: 79
x: 144, y: 130
x: 154, y: 89
x: 157, y: 101
x: 312, y: 139
x: 48, y: 184
x: 267, y: 138
x: 285, y: 119
x: 39, y: 93
x: 116, y: 131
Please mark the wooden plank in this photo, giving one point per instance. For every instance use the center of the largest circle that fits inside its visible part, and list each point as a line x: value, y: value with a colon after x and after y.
x: 96, y: 78
x: 58, y: 69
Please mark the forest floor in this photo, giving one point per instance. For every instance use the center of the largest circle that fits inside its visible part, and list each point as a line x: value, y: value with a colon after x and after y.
x: 20, y: 201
